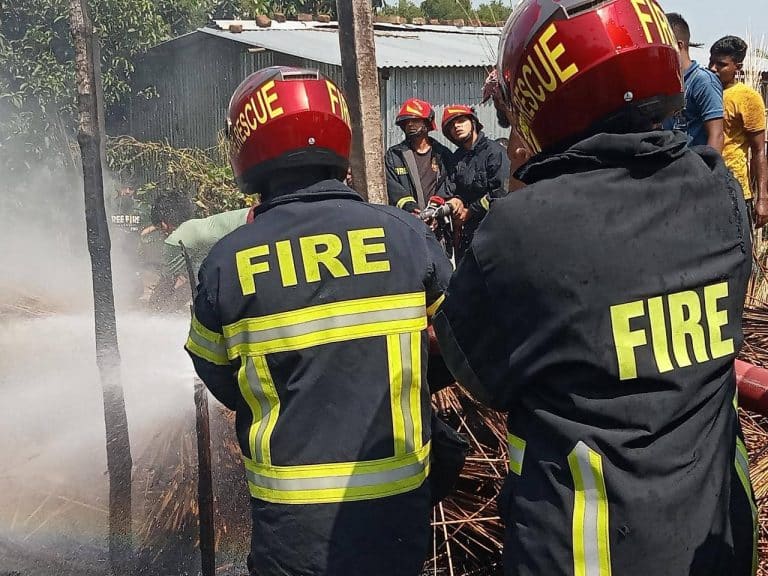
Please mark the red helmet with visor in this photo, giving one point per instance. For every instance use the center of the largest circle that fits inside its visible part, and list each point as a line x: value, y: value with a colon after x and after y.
x: 415, y: 109
x: 571, y: 68
x: 282, y: 117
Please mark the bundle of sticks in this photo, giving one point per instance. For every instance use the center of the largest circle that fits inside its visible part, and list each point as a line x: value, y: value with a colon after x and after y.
x: 755, y: 427
x: 467, y: 532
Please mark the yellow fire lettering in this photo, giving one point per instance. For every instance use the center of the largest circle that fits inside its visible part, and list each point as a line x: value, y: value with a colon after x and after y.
x: 716, y: 319
x: 333, y: 96
x: 665, y: 30
x: 556, y: 52
x: 625, y: 339
x: 551, y: 82
x: 252, y: 123
x: 644, y: 18
x: 269, y: 97
x: 259, y: 111
x: 247, y: 268
x: 360, y: 251
x: 242, y: 122
x: 526, y: 72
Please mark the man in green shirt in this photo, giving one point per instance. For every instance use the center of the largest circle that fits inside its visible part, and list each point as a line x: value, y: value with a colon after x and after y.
x: 171, y: 215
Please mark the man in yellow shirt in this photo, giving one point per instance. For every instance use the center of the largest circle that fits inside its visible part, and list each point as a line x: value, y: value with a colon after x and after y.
x: 744, y: 125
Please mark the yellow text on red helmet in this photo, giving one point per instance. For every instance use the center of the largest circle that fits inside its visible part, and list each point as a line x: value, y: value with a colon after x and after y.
x: 260, y: 108
x: 338, y: 102
x: 651, y: 16
x: 546, y: 67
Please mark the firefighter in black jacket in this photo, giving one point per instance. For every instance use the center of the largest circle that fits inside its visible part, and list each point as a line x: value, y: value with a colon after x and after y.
x: 481, y: 171
x: 311, y: 324
x: 419, y: 167
x: 601, y: 308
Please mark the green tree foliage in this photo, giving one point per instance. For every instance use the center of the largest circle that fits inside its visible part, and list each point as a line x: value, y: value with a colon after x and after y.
x: 493, y: 11
x: 37, y: 93
x: 404, y: 8
x: 447, y: 9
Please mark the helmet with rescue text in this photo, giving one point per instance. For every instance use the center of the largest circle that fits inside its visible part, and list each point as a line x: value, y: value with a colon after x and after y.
x: 568, y: 69
x: 282, y: 118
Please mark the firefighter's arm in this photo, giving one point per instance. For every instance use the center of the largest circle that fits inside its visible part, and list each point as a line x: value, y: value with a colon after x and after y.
x: 208, y: 351
x: 470, y: 339
x: 398, y: 195
x: 439, y: 270
x: 498, y: 169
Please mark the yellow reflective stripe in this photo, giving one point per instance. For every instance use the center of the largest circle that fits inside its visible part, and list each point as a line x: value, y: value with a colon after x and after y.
x: 516, y: 447
x: 742, y: 470
x: 259, y: 392
x: 415, y: 385
x: 206, y: 344
x: 205, y: 353
x: 247, y: 373
x: 432, y: 310
x: 485, y: 202
x: 403, y: 201
x: 326, y: 323
x: 338, y: 482
x: 591, y: 545
x: 404, y: 360
x: 325, y: 311
x: 269, y: 398
x: 394, y: 359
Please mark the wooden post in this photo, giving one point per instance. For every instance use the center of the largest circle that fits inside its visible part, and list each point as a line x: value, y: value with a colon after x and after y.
x: 361, y: 86
x: 89, y: 138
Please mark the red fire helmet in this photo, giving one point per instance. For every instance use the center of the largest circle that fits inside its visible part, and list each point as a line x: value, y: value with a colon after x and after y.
x: 415, y: 109
x: 570, y: 68
x: 282, y: 117
x: 456, y: 111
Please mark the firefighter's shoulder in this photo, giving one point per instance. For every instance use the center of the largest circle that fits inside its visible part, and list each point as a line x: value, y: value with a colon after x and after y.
x: 365, y: 240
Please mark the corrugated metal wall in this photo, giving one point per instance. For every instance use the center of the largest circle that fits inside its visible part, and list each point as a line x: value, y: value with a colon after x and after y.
x: 194, y: 78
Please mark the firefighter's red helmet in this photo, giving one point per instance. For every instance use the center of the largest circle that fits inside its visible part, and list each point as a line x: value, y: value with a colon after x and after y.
x: 456, y: 111
x: 571, y: 68
x: 282, y: 117
x: 415, y: 109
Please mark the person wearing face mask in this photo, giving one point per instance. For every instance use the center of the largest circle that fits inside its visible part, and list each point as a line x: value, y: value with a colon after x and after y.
x: 418, y: 167
x: 481, y: 173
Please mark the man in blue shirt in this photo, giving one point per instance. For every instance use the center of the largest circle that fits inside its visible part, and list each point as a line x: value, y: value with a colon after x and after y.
x: 702, y: 118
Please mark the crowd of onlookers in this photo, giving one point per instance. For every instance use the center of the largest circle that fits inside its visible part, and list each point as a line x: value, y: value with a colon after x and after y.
x: 724, y: 113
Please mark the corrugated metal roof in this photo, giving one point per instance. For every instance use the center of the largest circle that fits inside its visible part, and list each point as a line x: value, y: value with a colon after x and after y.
x: 412, y: 48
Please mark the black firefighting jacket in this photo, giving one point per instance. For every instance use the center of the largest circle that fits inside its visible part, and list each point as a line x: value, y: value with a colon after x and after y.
x: 311, y: 324
x: 600, y: 306
x: 401, y: 182
x: 481, y: 175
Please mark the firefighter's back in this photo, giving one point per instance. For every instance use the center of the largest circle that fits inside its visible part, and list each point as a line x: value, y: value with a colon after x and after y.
x: 323, y: 299
x: 622, y: 415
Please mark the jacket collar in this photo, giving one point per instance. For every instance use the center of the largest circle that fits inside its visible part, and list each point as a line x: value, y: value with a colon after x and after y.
x: 403, y: 146
x: 323, y: 190
x: 606, y: 151
x: 480, y: 143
